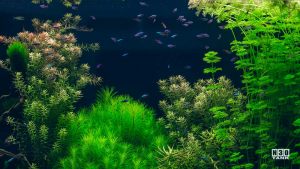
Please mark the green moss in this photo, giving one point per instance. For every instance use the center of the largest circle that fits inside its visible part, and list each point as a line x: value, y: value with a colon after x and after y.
x: 116, y: 132
x: 18, y: 56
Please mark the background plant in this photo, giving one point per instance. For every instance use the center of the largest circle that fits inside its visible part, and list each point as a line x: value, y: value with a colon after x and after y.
x: 116, y: 132
x: 203, y: 123
x: 67, y: 3
x: 48, y: 88
x: 269, y: 58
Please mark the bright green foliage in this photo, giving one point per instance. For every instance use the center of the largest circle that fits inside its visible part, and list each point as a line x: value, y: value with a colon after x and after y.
x: 67, y: 3
x: 203, y: 123
x: 212, y: 58
x: 18, y: 56
x: 116, y: 132
x: 49, y: 89
x: 269, y: 58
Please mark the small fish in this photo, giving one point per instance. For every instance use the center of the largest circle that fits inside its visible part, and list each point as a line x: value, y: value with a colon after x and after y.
x: 119, y: 40
x: 175, y: 10
x: 143, y: 4
x: 43, y: 6
x: 236, y: 93
x: 203, y: 35
x: 158, y: 41
x: 167, y: 31
x: 98, y: 66
x: 138, y: 34
x: 171, y: 46
x: 144, y: 36
x: 19, y: 18
x: 206, y: 47
x: 233, y: 59
x: 204, y: 19
x: 227, y: 51
x: 74, y: 7
x: 221, y: 27
x: 152, y: 16
x: 183, y: 20
x: 210, y: 21
x: 145, y: 96
x: 162, y: 33
x: 174, y: 36
x: 93, y: 17
x: 185, y: 25
x: 164, y: 25
x: 188, y: 67
x: 84, y: 29
x: 125, y: 54
x: 219, y: 37
x: 169, y: 66
x: 140, y: 15
x: 137, y: 19
x: 180, y: 17
x: 189, y: 22
x: 114, y: 39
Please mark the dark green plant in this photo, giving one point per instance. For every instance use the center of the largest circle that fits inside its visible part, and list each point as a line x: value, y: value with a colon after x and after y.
x: 269, y: 58
x: 18, y: 56
x: 116, y: 132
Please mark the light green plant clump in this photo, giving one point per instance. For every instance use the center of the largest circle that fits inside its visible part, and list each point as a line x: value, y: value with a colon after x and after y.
x: 203, y: 123
x: 269, y: 59
x: 114, y: 133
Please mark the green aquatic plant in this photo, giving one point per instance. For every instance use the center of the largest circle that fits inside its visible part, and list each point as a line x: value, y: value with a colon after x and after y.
x: 203, y: 122
x: 269, y: 58
x: 18, y: 56
x: 48, y: 90
x: 116, y: 132
x: 212, y: 58
x: 67, y: 3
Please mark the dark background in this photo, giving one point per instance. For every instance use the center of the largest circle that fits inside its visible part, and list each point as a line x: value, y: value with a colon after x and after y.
x: 147, y: 62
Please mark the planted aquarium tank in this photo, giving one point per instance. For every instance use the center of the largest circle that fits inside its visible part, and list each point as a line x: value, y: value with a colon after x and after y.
x: 150, y: 84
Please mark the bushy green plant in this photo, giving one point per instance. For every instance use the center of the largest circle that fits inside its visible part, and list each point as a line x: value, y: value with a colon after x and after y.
x: 269, y: 58
x: 18, y: 56
x: 48, y: 89
x: 203, y: 123
x: 116, y: 132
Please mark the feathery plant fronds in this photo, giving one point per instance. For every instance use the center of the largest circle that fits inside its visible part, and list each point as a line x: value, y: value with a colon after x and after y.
x: 203, y: 123
x: 212, y: 59
x: 116, y: 132
x: 269, y: 58
x: 49, y: 88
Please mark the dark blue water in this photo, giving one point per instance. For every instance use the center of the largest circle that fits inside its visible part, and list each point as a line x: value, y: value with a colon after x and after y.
x: 147, y: 62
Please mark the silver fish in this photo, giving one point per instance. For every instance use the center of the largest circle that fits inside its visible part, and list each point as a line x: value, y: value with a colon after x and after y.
x: 19, y: 18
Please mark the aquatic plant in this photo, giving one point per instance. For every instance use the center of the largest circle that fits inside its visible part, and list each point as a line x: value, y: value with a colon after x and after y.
x: 67, y: 3
x: 212, y: 58
x: 116, y: 132
x: 203, y: 123
x: 48, y: 89
x: 269, y: 58
x: 18, y: 56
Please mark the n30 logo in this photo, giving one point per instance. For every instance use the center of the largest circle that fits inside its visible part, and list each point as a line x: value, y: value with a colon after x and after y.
x: 280, y: 154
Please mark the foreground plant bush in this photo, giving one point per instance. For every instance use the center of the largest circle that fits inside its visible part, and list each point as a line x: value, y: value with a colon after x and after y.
x: 48, y: 88
x: 269, y: 58
x: 203, y: 123
x: 116, y: 132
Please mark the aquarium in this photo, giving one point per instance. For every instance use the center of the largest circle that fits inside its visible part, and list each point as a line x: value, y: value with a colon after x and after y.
x: 149, y: 84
